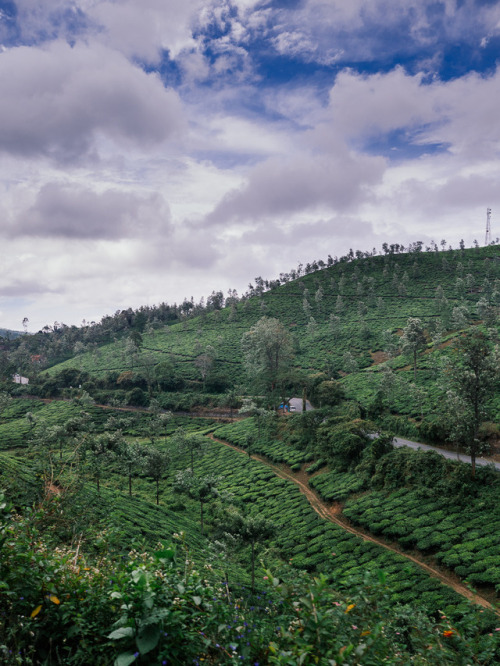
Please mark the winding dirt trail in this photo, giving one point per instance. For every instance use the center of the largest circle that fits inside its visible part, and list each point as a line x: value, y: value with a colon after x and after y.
x: 333, y: 513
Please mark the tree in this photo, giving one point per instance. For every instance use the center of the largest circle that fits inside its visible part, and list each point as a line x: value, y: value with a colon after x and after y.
x: 156, y: 463
x: 204, y: 362
x: 472, y: 375
x: 248, y: 530
x: 349, y: 363
x: 312, y: 327
x: 334, y: 324
x: 199, y: 488
x: 184, y: 442
x: 330, y: 392
x: 230, y: 399
x: 413, y: 340
x: 390, y: 343
x: 268, y: 353
x: 130, y: 457
x: 99, y: 449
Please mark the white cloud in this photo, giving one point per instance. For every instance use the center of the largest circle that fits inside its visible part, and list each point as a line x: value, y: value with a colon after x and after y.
x: 70, y: 211
x: 143, y: 29
x: 56, y: 101
x: 461, y: 113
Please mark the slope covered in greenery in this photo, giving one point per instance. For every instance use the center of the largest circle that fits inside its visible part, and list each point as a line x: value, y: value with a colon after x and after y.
x: 345, y: 321
x: 171, y: 524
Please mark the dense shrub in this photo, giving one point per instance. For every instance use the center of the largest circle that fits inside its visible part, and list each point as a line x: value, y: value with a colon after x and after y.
x: 137, y: 397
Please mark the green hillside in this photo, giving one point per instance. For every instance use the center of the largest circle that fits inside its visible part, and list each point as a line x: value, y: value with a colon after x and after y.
x: 345, y: 321
x: 131, y: 534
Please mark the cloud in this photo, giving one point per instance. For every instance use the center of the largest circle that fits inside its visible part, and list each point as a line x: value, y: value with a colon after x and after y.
x: 137, y: 30
x: 282, y: 186
x: 359, y: 31
x: 143, y: 29
x: 58, y: 101
x: 75, y: 212
x: 15, y: 287
x: 461, y: 113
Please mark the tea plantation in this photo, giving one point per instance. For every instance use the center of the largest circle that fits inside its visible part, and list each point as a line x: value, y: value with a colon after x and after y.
x: 134, y: 534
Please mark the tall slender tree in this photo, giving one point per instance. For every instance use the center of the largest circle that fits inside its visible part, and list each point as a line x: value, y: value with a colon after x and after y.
x: 473, y: 375
x: 413, y: 340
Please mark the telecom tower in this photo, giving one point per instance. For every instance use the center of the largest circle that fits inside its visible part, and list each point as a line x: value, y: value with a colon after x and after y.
x: 487, y: 240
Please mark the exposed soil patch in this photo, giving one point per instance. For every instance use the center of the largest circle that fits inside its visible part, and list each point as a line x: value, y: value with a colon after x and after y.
x: 379, y: 357
x: 333, y: 513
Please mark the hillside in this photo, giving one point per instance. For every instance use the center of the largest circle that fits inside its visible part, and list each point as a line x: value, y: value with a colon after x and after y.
x: 290, y: 539
x: 345, y: 321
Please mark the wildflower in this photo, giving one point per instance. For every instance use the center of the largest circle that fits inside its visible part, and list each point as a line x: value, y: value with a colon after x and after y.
x: 353, y: 626
x: 349, y: 608
x: 448, y: 632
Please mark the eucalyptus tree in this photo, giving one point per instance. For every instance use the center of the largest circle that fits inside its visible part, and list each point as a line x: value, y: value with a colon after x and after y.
x: 201, y: 489
x: 249, y: 530
x: 268, y: 353
x: 250, y: 408
x: 390, y: 343
x: 334, y: 324
x: 156, y: 464
x: 131, y: 458
x: 185, y: 442
x: 100, y: 449
x: 413, y: 340
x: 205, y: 363
x: 312, y: 327
x: 459, y: 316
x: 349, y: 362
x: 472, y: 377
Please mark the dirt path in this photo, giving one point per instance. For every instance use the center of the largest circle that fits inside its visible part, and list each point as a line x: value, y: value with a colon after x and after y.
x: 334, y: 514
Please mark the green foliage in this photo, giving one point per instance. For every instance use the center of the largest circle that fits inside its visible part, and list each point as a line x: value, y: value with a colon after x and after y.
x: 343, y: 443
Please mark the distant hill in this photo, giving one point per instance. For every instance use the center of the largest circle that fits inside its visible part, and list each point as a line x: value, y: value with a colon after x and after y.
x: 9, y: 334
x: 345, y: 320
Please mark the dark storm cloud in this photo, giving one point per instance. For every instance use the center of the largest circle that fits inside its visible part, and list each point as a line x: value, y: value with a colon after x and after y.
x: 74, y: 212
x: 58, y: 101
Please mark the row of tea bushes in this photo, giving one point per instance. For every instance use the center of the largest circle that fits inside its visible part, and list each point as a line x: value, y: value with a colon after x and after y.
x: 465, y: 537
x: 316, y: 545
x: 336, y: 486
x: 245, y: 434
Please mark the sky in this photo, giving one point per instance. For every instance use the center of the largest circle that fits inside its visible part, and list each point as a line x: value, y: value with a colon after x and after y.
x: 154, y: 150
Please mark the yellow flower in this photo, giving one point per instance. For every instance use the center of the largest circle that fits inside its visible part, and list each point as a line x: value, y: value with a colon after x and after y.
x: 36, y: 611
x: 349, y: 608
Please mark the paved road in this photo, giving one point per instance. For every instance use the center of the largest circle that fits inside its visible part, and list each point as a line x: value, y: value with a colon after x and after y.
x: 297, y: 403
x: 398, y: 441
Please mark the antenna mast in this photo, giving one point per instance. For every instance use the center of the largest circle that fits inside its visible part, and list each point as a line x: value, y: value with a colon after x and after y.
x: 487, y: 239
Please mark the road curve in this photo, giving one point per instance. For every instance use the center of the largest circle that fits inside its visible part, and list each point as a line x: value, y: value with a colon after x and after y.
x: 399, y: 441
